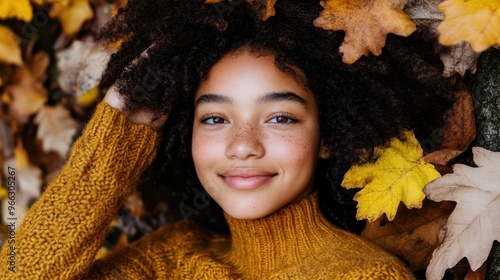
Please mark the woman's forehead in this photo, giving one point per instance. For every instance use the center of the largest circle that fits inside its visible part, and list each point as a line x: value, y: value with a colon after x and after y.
x: 244, y: 74
x: 248, y: 69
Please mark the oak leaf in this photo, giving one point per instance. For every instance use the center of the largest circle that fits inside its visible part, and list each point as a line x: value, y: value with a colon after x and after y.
x: 10, y: 52
x: 366, y: 24
x: 413, y: 234
x: 56, y: 129
x: 72, y: 14
x: 398, y: 175
x: 474, y: 21
x: 473, y: 225
x: 19, y: 9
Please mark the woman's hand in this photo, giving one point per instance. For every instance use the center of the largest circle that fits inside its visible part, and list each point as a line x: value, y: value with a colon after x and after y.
x: 143, y: 116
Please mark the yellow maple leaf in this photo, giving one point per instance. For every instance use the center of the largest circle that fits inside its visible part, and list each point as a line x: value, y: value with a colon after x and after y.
x: 20, y: 9
x: 366, y: 24
x: 72, y: 14
x: 474, y: 21
x: 397, y: 175
x: 10, y: 52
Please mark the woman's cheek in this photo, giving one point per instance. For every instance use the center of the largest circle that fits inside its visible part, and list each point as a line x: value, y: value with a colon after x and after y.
x: 207, y: 152
x: 294, y: 148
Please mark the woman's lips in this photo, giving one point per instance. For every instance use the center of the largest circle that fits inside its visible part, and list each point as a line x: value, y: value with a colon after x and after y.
x: 246, y: 178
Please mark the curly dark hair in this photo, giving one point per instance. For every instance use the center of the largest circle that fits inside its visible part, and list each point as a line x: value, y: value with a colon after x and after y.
x: 361, y: 106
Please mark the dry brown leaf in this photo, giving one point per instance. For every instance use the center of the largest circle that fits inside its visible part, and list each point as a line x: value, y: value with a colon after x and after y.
x: 457, y: 58
x: 366, y: 24
x: 473, y: 225
x: 474, y: 21
x: 56, y: 129
x: 26, y: 93
x: 413, y: 234
x: 38, y: 65
x: 458, y: 131
x: 10, y: 52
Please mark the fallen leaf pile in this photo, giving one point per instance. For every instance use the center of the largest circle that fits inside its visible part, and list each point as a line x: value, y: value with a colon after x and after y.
x: 49, y: 86
x: 46, y: 91
x: 459, y: 24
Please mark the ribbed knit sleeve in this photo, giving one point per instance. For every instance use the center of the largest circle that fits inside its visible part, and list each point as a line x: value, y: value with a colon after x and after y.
x: 62, y: 232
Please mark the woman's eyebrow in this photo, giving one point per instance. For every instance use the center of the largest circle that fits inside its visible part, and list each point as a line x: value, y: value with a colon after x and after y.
x: 213, y: 98
x: 282, y: 96
x: 269, y: 97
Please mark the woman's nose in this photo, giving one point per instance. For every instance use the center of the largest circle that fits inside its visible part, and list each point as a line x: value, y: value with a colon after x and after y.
x: 244, y: 142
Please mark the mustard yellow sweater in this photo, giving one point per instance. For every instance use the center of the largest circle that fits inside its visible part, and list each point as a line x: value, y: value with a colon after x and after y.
x: 63, y: 231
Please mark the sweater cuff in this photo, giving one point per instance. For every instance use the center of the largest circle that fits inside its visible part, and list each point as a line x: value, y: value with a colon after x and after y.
x: 123, y: 149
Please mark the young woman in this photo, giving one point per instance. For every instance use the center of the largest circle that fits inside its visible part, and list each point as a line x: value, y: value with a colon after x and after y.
x: 260, y: 115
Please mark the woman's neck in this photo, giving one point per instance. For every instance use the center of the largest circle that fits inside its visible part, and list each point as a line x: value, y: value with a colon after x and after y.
x: 281, y: 239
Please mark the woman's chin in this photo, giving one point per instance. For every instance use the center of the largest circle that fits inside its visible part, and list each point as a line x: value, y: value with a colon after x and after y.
x: 245, y: 210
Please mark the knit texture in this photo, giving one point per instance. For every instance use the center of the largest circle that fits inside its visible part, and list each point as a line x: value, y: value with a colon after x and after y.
x: 63, y: 231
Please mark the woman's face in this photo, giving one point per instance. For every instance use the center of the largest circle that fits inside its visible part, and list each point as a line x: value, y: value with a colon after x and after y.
x: 256, y: 137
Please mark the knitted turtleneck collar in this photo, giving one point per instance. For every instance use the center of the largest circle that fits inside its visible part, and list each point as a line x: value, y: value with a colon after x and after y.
x: 282, y: 239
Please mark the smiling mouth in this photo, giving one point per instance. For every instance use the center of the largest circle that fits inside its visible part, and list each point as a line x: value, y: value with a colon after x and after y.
x: 246, y: 178
x: 246, y: 182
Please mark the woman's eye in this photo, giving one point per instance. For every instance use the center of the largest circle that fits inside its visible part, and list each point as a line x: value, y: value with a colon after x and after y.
x: 282, y: 119
x: 214, y: 120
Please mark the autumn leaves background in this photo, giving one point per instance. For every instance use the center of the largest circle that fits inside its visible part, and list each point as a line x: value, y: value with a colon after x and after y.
x: 50, y: 62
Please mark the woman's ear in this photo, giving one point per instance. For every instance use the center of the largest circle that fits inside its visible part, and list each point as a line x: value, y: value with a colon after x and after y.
x: 323, y: 151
